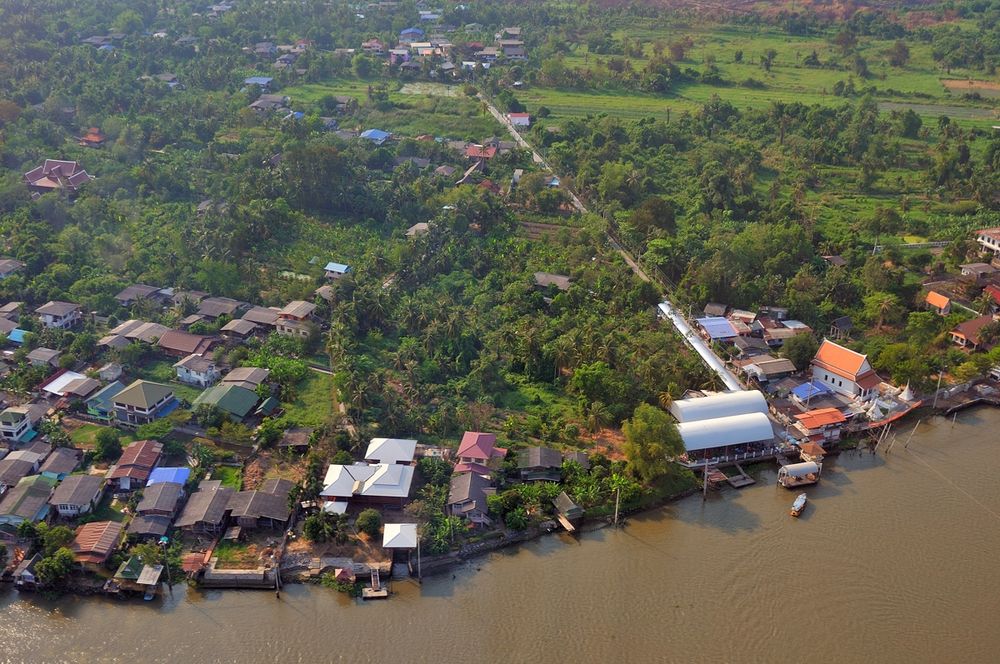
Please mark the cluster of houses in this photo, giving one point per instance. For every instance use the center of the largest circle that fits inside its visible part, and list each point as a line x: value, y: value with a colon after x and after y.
x: 980, y: 280
x: 383, y: 479
x: 107, y: 399
x: 417, y: 50
x: 49, y: 489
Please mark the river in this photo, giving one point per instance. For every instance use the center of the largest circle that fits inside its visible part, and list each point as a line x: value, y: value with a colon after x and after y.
x: 894, y: 560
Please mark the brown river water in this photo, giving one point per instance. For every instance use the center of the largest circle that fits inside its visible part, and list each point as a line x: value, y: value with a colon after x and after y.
x: 894, y: 560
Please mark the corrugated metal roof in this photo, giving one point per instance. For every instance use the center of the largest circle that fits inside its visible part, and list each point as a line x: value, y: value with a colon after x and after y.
x: 724, y: 404
x: 724, y: 431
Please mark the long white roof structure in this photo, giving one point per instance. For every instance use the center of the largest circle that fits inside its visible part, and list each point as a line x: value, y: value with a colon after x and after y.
x: 725, y: 404
x: 723, y: 431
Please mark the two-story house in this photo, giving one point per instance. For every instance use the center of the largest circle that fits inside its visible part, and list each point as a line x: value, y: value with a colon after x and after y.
x: 59, y: 315
x: 295, y: 319
x: 197, y: 370
x: 989, y: 240
x: 142, y: 402
x: 17, y: 424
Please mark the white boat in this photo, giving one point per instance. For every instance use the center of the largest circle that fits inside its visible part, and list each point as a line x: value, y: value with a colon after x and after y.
x: 799, y: 474
x: 798, y: 505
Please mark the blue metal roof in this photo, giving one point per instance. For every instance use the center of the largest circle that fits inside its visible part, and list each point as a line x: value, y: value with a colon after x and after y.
x: 717, y: 327
x: 337, y: 267
x: 411, y: 31
x: 176, y: 475
x: 258, y: 80
x: 376, y: 135
x: 808, y: 390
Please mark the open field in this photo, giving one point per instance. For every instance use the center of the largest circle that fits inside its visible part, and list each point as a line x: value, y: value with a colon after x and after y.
x: 418, y: 108
x: 737, y: 53
x: 314, y: 400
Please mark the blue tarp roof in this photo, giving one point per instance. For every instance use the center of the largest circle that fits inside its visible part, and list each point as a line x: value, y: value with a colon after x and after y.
x: 337, y: 267
x: 808, y: 390
x: 717, y: 327
x: 16, y: 335
x: 258, y: 80
x: 411, y: 31
x: 376, y: 135
x: 175, y: 475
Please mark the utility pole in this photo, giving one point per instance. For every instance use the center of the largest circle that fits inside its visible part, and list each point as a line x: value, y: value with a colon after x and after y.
x: 704, y: 486
x: 938, y: 389
x: 618, y: 494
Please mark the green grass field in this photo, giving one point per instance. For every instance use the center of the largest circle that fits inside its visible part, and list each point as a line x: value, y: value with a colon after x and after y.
x: 86, y: 435
x: 162, y: 371
x: 424, y: 108
x: 109, y: 510
x: 313, y: 405
x: 229, y: 475
x: 917, y: 85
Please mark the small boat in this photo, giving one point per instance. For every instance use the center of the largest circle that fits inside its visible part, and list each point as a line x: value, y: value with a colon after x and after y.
x: 798, y: 505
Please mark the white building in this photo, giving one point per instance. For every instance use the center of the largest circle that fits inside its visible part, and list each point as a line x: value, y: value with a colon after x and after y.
x: 197, y: 370
x: 844, y: 371
x: 989, y: 240
x: 59, y: 315
x: 391, y: 450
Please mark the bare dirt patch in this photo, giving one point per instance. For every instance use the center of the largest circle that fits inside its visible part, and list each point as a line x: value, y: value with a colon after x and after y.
x: 429, y: 90
x: 990, y: 89
x: 360, y: 549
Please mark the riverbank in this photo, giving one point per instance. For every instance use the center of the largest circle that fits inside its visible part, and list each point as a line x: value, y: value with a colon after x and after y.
x: 678, y: 573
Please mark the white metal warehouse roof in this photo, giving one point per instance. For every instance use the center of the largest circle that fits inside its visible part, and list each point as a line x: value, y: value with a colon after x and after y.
x: 722, y: 431
x: 725, y: 404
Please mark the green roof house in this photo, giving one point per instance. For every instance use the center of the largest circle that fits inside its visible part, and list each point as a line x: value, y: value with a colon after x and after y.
x: 142, y: 402
x: 231, y: 399
x: 27, y: 501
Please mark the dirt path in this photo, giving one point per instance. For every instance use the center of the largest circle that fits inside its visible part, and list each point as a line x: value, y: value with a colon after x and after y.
x: 713, y: 361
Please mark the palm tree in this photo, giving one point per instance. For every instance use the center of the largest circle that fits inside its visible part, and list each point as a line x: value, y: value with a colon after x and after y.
x: 598, y: 416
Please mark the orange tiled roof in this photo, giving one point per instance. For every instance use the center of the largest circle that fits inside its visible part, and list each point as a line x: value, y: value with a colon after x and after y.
x: 841, y: 361
x: 938, y: 300
x: 821, y: 417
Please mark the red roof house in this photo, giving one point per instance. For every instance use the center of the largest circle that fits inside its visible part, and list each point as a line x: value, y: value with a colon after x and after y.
x: 479, y: 448
x: 135, y: 465
x: 95, y: 542
x: 967, y: 334
x: 480, y: 152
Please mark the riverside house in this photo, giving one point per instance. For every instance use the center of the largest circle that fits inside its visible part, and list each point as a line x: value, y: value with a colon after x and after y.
x: 77, y: 495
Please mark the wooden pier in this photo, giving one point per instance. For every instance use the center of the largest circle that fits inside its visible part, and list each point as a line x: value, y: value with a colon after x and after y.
x: 741, y: 480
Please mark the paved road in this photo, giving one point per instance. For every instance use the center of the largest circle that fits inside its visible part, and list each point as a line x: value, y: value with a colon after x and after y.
x: 713, y: 361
